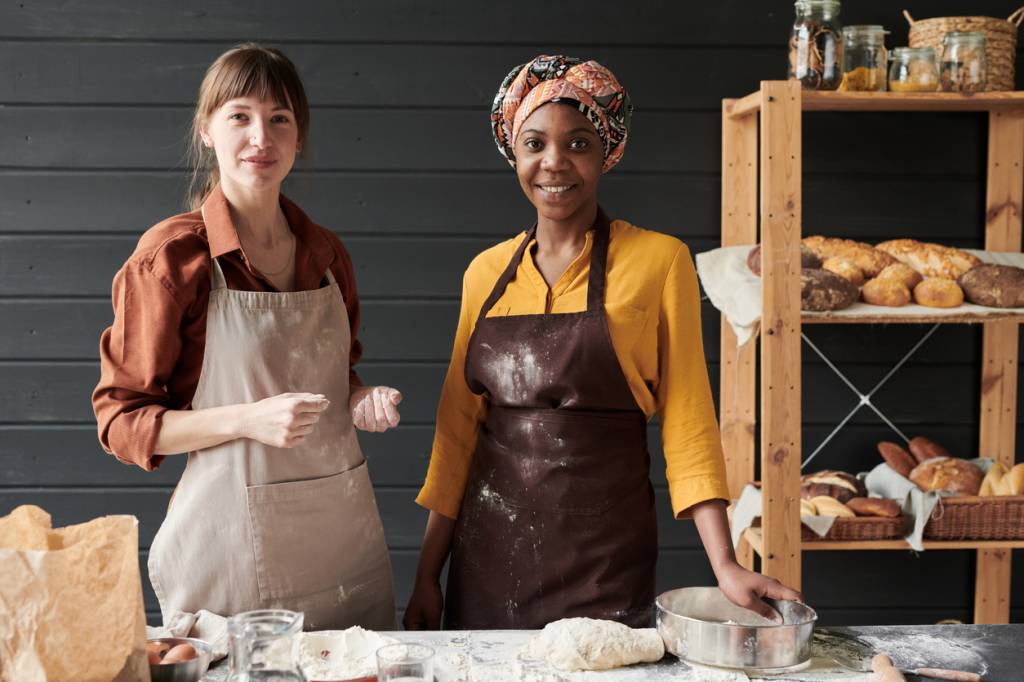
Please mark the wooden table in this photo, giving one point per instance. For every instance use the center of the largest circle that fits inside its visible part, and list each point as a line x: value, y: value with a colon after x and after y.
x: 491, y: 655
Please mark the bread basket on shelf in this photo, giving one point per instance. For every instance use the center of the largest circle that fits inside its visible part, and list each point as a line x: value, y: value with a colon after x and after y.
x: 858, y: 529
x: 1001, y: 46
x: 977, y: 518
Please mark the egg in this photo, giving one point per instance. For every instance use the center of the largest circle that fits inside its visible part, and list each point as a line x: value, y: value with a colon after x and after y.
x: 180, y: 653
x: 154, y: 650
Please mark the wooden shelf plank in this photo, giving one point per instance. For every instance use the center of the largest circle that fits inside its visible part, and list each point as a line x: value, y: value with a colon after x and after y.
x: 813, y: 100
x: 965, y: 318
x: 754, y: 537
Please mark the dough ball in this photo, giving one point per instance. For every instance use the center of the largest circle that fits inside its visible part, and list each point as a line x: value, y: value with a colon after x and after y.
x: 589, y: 644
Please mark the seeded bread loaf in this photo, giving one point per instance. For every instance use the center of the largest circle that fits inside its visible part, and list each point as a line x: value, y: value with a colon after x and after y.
x: 931, y: 260
x: 866, y: 257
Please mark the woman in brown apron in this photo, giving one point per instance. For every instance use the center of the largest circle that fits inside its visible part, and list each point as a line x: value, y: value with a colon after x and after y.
x: 233, y: 341
x: 570, y: 338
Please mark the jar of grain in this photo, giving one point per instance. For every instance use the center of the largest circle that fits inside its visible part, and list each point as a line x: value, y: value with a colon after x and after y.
x: 913, y: 69
x: 964, y: 65
x: 816, y: 45
x: 864, y: 58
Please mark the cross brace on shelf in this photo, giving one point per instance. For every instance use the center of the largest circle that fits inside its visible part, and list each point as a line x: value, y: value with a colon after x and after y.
x: 865, y: 398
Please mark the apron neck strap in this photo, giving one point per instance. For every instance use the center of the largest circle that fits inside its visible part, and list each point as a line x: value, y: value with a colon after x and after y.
x: 329, y: 276
x: 217, y: 280
x: 598, y: 266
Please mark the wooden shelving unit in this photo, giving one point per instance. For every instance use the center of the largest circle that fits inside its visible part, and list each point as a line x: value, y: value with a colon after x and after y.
x: 768, y: 158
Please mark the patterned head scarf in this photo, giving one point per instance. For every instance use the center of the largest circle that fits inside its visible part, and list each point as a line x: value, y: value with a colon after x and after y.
x: 590, y: 86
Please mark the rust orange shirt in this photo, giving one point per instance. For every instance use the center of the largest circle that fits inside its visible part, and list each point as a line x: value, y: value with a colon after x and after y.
x: 151, y: 356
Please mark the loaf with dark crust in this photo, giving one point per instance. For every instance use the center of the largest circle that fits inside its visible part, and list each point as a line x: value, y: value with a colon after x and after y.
x: 997, y: 286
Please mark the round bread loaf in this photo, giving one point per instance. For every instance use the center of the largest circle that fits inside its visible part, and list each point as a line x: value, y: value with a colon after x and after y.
x: 845, y: 269
x: 949, y: 474
x: 902, y: 273
x: 998, y: 286
x: 938, y: 292
x: 874, y: 506
x: 807, y: 259
x: 888, y: 292
x: 822, y: 290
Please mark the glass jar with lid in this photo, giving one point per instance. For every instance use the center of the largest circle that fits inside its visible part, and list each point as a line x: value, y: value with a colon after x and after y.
x: 864, y: 58
x: 260, y: 646
x: 816, y: 45
x: 964, y: 65
x: 913, y: 69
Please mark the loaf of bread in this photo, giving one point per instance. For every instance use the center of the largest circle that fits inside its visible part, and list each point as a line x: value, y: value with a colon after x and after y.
x: 931, y: 260
x: 807, y: 259
x: 807, y: 508
x: 891, y: 293
x: 874, y: 506
x: 948, y: 474
x: 938, y: 292
x: 845, y: 269
x: 898, y: 459
x: 1012, y: 482
x: 866, y: 257
x: 822, y: 291
x: 838, y: 485
x: 902, y: 273
x: 990, y: 485
x: 924, y: 449
x: 998, y: 286
x: 829, y: 506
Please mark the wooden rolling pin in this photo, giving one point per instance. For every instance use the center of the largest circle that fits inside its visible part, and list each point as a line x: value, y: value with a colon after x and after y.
x: 885, y: 671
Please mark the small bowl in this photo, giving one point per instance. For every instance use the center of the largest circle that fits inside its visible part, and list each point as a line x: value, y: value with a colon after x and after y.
x: 186, y: 671
x: 701, y: 625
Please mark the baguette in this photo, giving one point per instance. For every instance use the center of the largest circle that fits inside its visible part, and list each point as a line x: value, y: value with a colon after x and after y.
x: 924, y: 449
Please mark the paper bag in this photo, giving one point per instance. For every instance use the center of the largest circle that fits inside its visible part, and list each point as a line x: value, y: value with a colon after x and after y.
x: 70, y: 600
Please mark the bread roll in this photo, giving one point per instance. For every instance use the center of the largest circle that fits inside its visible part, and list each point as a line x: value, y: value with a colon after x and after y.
x: 1016, y: 480
x: 949, y: 474
x: 937, y: 292
x: 990, y: 484
x: 823, y: 291
x: 888, y: 292
x: 866, y: 257
x: 838, y: 485
x: 807, y: 508
x: 807, y: 259
x: 998, y: 286
x: 931, y: 260
x: 845, y: 269
x: 828, y: 506
x: 874, y: 506
x: 898, y: 459
x: 924, y: 449
x: 902, y: 273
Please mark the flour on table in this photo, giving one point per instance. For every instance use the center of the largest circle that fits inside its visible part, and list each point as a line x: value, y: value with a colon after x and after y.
x: 339, y: 654
x: 589, y: 644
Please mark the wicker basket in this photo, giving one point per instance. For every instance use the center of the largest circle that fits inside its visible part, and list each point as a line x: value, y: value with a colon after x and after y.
x: 977, y: 518
x: 1001, y: 47
x: 859, y: 528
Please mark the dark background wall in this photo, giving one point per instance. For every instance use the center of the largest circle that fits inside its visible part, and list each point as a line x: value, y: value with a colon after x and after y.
x: 95, y: 99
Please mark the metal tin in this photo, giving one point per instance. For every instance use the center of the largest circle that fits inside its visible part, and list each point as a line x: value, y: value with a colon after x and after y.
x: 701, y: 625
x: 186, y: 671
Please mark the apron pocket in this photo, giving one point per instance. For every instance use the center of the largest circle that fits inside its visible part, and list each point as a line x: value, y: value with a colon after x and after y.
x: 314, y: 535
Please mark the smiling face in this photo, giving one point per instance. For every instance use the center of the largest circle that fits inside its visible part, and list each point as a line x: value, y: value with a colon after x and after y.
x: 558, y: 161
x: 255, y: 142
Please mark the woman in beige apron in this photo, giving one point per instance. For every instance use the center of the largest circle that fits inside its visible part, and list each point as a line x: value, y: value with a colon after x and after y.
x: 571, y: 337
x: 243, y: 299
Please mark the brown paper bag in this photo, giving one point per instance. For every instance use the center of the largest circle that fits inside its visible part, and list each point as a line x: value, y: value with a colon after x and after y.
x: 70, y: 599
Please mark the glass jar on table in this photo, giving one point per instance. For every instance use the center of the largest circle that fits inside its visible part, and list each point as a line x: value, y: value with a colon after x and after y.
x: 816, y: 45
x: 260, y: 646
x: 864, y: 58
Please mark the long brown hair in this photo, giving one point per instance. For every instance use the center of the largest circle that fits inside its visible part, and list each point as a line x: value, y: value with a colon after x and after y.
x: 249, y: 69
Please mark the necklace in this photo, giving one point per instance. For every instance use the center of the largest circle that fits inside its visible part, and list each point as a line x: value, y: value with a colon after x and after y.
x: 287, y: 263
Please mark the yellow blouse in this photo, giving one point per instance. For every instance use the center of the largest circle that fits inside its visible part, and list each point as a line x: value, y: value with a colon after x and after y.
x: 653, y: 308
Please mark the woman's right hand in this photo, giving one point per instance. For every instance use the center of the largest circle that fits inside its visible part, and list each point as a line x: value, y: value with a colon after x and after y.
x: 424, y: 609
x: 283, y: 421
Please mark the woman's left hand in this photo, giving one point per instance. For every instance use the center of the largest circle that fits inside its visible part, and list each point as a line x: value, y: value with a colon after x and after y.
x: 374, y: 408
x: 748, y: 589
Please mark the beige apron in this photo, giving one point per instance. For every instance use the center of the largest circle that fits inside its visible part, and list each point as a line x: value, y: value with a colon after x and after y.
x: 253, y: 526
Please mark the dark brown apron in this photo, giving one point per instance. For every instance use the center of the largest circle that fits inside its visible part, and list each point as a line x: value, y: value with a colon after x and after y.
x: 558, y: 515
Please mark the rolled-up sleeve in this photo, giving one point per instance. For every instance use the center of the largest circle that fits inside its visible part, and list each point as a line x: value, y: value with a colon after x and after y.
x: 138, y: 355
x: 695, y: 465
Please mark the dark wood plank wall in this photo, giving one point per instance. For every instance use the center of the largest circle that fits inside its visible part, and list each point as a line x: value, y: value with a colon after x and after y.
x: 94, y: 102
